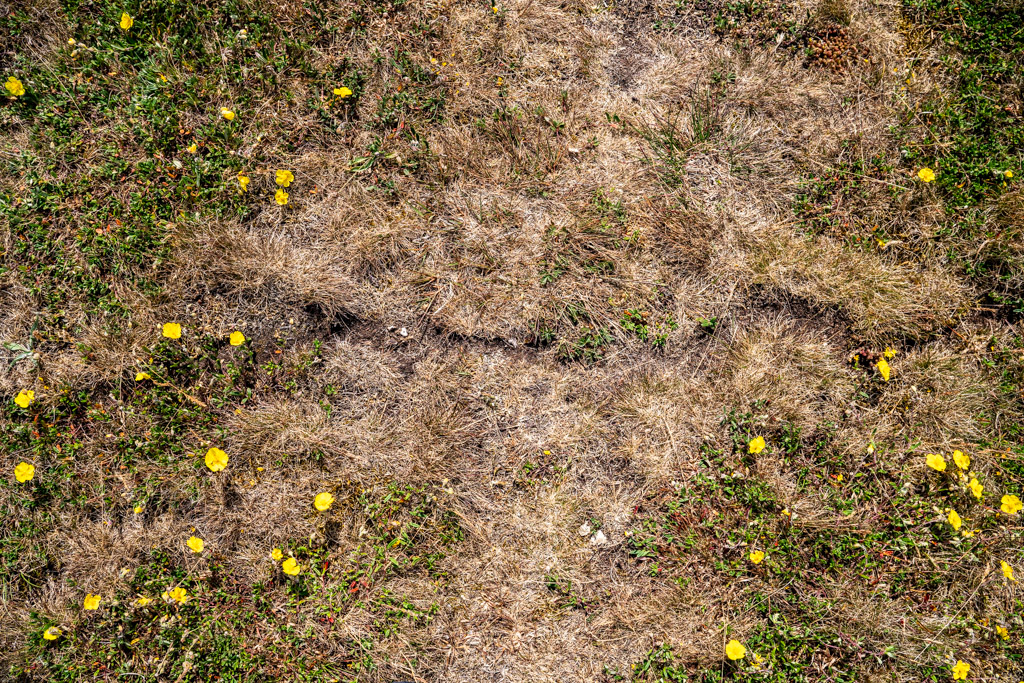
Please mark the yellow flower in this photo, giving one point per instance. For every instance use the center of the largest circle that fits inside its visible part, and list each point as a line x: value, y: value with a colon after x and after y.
x: 24, y: 397
x: 342, y: 92
x: 14, y: 86
x: 193, y: 148
x: 172, y: 330
x: 756, y: 445
x: 889, y: 352
x: 1007, y: 571
x: 216, y: 459
x: 290, y: 567
x: 139, y: 376
x: 142, y: 601
x: 323, y: 501
x: 91, y: 601
x: 954, y: 520
x: 126, y: 21
x: 52, y: 633
x: 926, y: 175
x: 734, y: 650
x: 178, y: 595
x: 883, y: 368
x: 1003, y: 632
x: 195, y: 544
x: 756, y: 557
x: 24, y: 471
x: 936, y: 462
x: 236, y: 338
x: 976, y: 488
x: 1008, y: 174
x: 137, y: 509
x: 283, y: 178
x: 243, y: 182
x: 1010, y: 504
x: 962, y: 461
x: 281, y: 197
x: 276, y: 554
x: 960, y: 670
x: 227, y: 113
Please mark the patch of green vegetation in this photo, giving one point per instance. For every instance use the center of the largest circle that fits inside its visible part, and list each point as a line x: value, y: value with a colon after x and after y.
x: 587, y: 347
x: 127, y: 144
x: 975, y: 132
x: 675, y: 138
x: 835, y: 202
x: 637, y: 323
x: 725, y: 510
x: 406, y: 532
x: 223, y: 630
x: 753, y: 22
x: 567, y: 596
x: 972, y: 135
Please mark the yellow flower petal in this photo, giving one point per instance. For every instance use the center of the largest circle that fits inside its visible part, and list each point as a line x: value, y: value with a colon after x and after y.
x: 140, y: 376
x: 960, y: 670
x: 1010, y: 504
x: 24, y: 398
x: 276, y: 554
x: 227, y: 113
x: 126, y: 21
x: 243, y: 182
x: 290, y: 567
x: 936, y: 462
x: 757, y: 557
x: 14, y: 86
x: 52, y: 633
x: 91, y: 601
x: 1007, y: 570
x: 195, y: 544
x: 216, y: 459
x: 323, y: 501
x: 24, y: 471
x: 172, y: 330
x: 954, y: 520
x: 883, y: 368
x: 962, y: 461
x: 976, y: 488
x: 734, y: 650
x: 756, y: 445
x: 281, y: 197
x: 236, y: 338
x: 283, y: 178
x: 926, y: 175
x: 342, y: 92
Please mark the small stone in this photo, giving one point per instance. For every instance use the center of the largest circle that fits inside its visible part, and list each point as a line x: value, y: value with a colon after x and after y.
x: 585, y: 529
x: 404, y: 332
x: 599, y: 538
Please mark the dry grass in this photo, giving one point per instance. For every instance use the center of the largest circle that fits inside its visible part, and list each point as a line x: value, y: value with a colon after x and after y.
x: 446, y: 342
